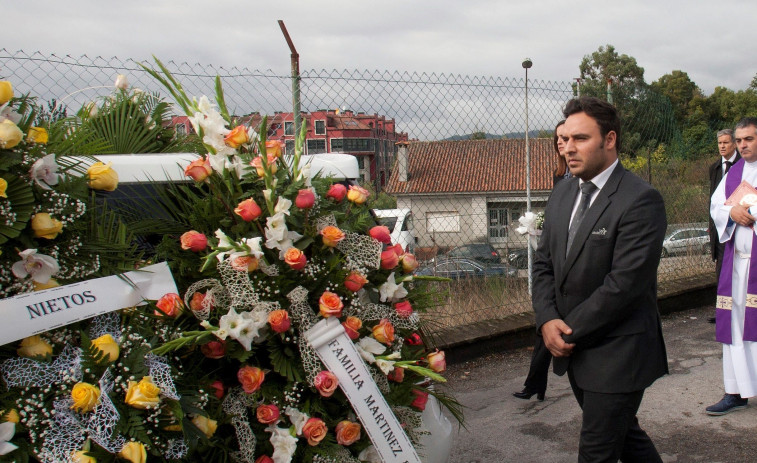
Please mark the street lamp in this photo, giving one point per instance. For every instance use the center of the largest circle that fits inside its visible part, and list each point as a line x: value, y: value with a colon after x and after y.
x: 527, y: 63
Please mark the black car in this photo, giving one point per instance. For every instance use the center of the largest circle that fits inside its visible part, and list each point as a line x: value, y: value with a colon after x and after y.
x: 482, y: 252
x: 466, y: 268
x: 518, y: 257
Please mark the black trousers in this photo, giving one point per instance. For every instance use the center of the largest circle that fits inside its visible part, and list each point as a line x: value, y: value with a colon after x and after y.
x: 539, y: 369
x: 610, y: 430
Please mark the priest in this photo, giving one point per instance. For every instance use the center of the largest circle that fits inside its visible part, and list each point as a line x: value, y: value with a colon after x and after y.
x: 736, y: 307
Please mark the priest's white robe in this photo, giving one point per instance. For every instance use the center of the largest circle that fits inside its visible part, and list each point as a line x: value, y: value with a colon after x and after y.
x: 740, y: 357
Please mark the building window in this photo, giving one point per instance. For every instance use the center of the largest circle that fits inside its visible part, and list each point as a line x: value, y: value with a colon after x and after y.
x: 320, y: 127
x: 498, y: 222
x: 288, y: 128
x: 289, y: 149
x: 316, y: 146
x: 351, y: 145
x: 448, y: 221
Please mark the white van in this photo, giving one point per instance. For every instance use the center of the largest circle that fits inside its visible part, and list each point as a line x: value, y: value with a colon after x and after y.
x: 400, y: 224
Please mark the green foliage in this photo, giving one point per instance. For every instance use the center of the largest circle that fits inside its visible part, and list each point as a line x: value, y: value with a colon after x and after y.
x: 680, y: 90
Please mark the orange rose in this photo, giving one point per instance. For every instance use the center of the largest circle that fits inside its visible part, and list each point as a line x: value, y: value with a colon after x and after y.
x: 331, y: 236
x: 355, y: 281
x: 198, y: 302
x: 193, y: 241
x: 279, y: 320
x: 244, y: 263
x: 237, y: 137
x: 170, y: 305
x: 396, y: 375
x: 199, y: 169
x: 314, y: 431
x: 257, y: 163
x: 384, y: 332
x: 251, y: 378
x: 330, y: 305
x: 326, y: 383
x: 295, y: 259
x: 347, y: 432
x: 437, y: 361
x: 267, y: 414
x: 351, y: 326
x: 273, y: 148
x: 357, y: 194
x: 248, y: 210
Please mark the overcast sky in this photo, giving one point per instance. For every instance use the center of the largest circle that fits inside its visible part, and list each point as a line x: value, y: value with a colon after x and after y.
x: 712, y: 41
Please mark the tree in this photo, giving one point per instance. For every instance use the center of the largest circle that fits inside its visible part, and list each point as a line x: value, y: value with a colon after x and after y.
x: 681, y: 90
x: 606, y: 65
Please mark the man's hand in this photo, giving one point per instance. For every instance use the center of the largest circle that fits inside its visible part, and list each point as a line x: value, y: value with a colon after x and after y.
x: 552, y: 332
x: 741, y: 216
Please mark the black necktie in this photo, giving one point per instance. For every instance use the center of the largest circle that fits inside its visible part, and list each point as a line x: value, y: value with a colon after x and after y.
x: 728, y: 165
x: 587, y: 188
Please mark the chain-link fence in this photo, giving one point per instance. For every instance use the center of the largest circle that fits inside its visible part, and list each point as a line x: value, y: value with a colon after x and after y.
x: 456, y: 198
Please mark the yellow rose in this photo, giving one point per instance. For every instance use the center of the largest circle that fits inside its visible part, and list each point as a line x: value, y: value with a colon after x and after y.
x: 10, y: 134
x: 34, y: 346
x: 134, y: 452
x: 205, y: 424
x: 3, y: 187
x: 45, y: 226
x: 80, y: 457
x: 37, y: 135
x: 86, y: 397
x: 108, y: 345
x: 11, y: 416
x: 143, y: 394
x: 6, y: 91
x: 102, y: 177
x: 50, y: 284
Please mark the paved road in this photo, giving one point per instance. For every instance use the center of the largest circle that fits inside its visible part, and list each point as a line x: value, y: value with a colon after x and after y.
x: 501, y: 428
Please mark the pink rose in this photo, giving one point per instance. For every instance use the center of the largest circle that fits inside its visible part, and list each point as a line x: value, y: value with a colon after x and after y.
x: 397, y: 375
x: 437, y: 361
x: 337, y: 192
x: 421, y: 397
x: 414, y: 340
x: 197, y: 302
x: 326, y: 383
x: 330, y: 305
x: 218, y: 389
x: 355, y: 281
x: 248, y: 210
x: 381, y: 233
x: 194, y: 241
x: 267, y: 414
x: 214, y: 349
x: 264, y: 459
x: 314, y: 431
x: 305, y: 199
x: 389, y: 259
x: 397, y: 248
x: 408, y: 262
x: 404, y: 309
x: 295, y: 259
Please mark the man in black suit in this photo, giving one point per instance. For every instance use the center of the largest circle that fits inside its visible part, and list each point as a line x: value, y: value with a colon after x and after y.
x: 728, y: 156
x: 595, y: 285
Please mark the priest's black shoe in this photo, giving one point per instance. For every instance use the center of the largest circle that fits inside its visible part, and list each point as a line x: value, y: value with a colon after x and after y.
x: 527, y: 393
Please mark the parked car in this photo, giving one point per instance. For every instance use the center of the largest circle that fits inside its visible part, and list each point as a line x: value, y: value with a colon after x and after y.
x: 400, y: 225
x: 690, y: 240
x: 482, y: 252
x: 518, y: 257
x: 458, y: 268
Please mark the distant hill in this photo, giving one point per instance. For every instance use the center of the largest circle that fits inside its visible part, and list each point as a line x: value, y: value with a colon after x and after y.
x: 492, y: 136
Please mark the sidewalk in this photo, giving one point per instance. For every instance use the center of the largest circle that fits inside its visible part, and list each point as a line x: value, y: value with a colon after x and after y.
x: 501, y: 428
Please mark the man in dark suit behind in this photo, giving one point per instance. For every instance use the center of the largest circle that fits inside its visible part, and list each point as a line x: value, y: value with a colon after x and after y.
x: 728, y: 156
x: 596, y: 299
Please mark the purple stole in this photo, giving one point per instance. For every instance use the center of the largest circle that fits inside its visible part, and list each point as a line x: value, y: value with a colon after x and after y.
x: 724, y: 305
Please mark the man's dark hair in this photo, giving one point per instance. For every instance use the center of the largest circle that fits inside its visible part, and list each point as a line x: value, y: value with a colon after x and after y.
x: 601, y: 111
x: 746, y: 122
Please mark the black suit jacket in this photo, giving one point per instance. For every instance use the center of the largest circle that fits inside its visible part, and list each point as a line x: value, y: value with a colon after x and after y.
x: 605, y: 289
x: 716, y: 175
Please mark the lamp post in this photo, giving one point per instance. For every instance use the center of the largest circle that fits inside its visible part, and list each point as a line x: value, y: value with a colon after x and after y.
x: 527, y: 63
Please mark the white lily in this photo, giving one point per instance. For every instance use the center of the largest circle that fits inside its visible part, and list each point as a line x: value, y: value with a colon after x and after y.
x: 284, y: 444
x: 368, y: 347
x: 297, y: 418
x: 7, y: 431
x: 391, y: 291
